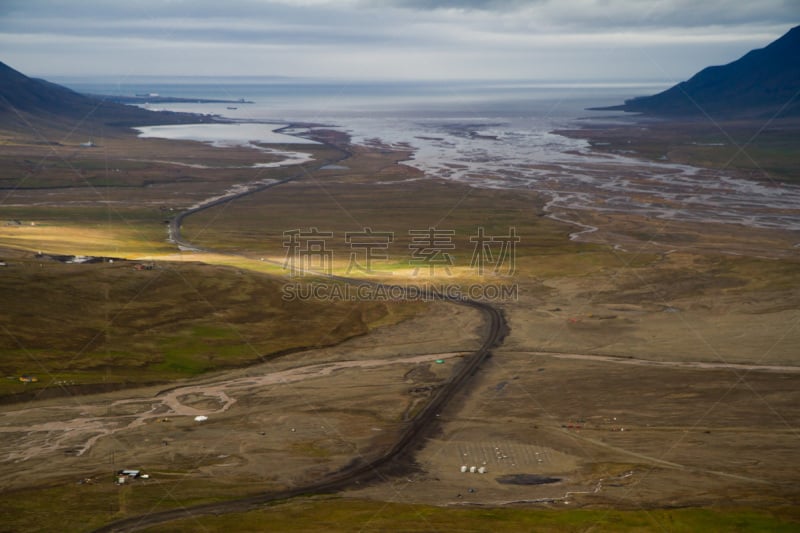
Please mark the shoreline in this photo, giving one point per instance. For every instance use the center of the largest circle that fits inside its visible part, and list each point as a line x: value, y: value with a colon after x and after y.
x: 138, y: 100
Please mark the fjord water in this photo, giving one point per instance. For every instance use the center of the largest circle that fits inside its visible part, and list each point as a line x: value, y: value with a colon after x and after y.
x: 495, y: 134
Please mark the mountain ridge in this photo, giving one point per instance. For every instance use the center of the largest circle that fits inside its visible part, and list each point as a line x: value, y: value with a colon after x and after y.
x: 27, y: 101
x: 763, y: 82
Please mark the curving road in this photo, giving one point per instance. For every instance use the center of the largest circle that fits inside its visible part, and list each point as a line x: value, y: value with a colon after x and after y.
x: 496, y: 329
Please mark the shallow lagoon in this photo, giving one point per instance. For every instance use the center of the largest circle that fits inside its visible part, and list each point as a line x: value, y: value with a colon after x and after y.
x: 251, y: 135
x: 236, y: 134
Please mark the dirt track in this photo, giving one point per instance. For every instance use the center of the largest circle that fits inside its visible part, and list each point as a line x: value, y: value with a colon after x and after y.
x: 355, y: 473
x: 673, y: 364
x: 210, y: 399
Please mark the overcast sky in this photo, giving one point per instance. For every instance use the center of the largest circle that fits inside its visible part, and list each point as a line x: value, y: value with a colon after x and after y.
x: 380, y: 39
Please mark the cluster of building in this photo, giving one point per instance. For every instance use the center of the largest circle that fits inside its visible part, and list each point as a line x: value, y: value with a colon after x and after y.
x: 126, y: 475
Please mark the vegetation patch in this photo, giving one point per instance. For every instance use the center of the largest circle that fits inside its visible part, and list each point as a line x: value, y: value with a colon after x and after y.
x: 78, y: 324
x: 339, y: 514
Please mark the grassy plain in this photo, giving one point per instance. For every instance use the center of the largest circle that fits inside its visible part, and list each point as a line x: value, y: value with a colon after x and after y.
x: 108, y: 324
x: 590, y: 326
x: 764, y: 150
x: 348, y: 201
x: 346, y: 514
x: 336, y: 514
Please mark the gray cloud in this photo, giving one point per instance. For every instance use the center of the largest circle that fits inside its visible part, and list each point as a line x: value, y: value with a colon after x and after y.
x: 594, y: 15
x: 387, y: 38
x: 478, y: 5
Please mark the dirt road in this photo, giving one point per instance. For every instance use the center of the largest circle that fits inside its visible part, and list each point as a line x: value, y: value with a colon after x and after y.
x: 417, y: 428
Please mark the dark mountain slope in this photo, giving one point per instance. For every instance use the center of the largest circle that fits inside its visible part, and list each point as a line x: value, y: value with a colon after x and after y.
x: 763, y: 82
x: 25, y: 100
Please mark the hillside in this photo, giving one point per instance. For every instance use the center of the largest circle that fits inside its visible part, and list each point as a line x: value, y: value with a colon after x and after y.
x: 763, y: 82
x: 28, y: 101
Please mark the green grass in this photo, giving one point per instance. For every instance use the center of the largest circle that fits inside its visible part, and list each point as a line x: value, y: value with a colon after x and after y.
x: 101, y: 323
x: 763, y: 274
x: 87, y: 507
x: 759, y: 149
x: 337, y: 514
x: 124, y: 161
x: 256, y: 225
x: 106, y: 231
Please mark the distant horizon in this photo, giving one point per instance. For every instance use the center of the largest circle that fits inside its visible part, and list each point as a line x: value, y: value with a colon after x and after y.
x: 295, y: 96
x: 201, y: 79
